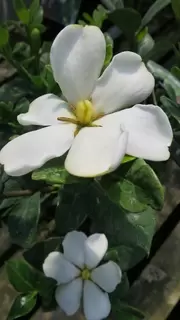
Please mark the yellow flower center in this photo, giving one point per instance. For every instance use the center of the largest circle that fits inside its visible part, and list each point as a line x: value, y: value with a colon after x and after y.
x: 84, y: 113
x: 85, y: 274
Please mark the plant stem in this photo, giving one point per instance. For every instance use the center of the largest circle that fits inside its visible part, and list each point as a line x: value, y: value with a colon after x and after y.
x: 27, y: 192
x: 154, y: 98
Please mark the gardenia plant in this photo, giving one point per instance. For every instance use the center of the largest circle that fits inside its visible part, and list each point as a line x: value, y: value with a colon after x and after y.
x: 78, y: 276
x: 87, y: 121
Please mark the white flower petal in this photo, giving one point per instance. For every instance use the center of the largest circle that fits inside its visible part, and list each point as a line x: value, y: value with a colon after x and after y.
x: 31, y: 150
x: 107, y: 276
x: 149, y: 131
x: 96, y: 303
x: 73, y: 245
x: 95, y: 248
x: 57, y: 267
x: 125, y: 81
x: 68, y: 296
x: 77, y: 56
x: 96, y: 151
x: 44, y: 111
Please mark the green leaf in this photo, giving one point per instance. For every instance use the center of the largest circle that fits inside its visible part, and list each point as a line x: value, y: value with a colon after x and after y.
x: 134, y: 186
x: 22, y: 305
x: 156, y: 7
x: 24, y: 278
x: 73, y: 208
x: 121, y: 18
x: 163, y: 74
x: 53, y: 175
x: 127, y: 158
x: 48, y: 78
x: 36, y: 255
x: 36, y: 13
x: 4, y: 36
x: 109, y: 50
x: 129, y: 234
x: 125, y: 312
x: 145, y: 45
x: 99, y: 16
x: 21, y: 11
x: 176, y: 8
x: 21, y: 275
x: 23, y: 220
x: 176, y: 72
x: 171, y: 107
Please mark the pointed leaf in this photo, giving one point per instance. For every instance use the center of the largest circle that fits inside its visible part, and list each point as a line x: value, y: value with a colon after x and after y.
x: 156, y: 7
x: 23, y: 220
x: 22, y: 305
x: 134, y: 186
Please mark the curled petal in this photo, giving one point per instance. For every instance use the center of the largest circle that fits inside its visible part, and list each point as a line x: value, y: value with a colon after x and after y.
x: 31, y: 150
x: 95, y: 248
x: 125, y: 82
x: 77, y: 56
x: 44, y: 111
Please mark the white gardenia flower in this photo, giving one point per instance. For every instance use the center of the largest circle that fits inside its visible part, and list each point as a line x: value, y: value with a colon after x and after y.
x: 87, y: 122
x: 79, y: 278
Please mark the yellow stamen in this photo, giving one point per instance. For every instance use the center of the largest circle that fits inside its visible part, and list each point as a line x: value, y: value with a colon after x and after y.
x: 69, y: 120
x: 85, y: 274
x: 84, y: 112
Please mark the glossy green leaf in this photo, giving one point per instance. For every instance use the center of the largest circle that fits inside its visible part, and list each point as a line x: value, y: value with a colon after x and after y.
x: 21, y: 275
x: 4, y: 36
x: 176, y: 8
x: 22, y: 305
x: 129, y: 234
x: 127, y: 158
x: 53, y: 175
x: 23, y: 220
x: 24, y: 278
x: 21, y: 11
x: 122, y: 17
x: 73, y: 208
x: 145, y: 45
x: 134, y: 186
x: 155, y: 8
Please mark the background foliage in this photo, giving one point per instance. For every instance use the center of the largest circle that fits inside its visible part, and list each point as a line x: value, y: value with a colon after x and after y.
x: 123, y: 204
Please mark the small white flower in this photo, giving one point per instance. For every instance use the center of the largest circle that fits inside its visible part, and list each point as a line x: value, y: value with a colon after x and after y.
x: 89, y: 123
x: 79, y: 278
